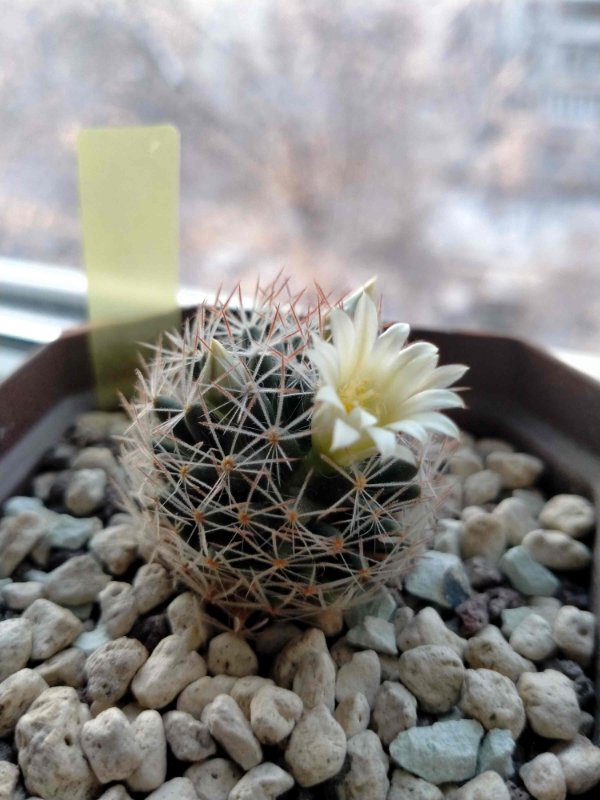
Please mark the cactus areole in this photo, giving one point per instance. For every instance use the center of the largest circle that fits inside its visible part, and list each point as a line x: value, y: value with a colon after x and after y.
x: 284, y: 461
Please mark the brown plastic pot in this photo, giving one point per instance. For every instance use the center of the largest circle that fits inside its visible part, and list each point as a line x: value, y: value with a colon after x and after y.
x: 516, y: 391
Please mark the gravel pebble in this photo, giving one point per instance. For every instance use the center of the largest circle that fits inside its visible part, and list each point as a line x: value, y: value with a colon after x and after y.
x: 448, y: 536
x: 117, y: 792
x: 170, y: 668
x: 517, y: 470
x: 150, y: 737
x: 574, y: 632
x: 526, y: 574
x: 484, y: 787
x: 405, y: 786
x: 464, y: 462
x: 9, y: 778
x: 70, y: 533
x: 244, y: 689
x: 264, y: 782
x: 496, y: 753
x: 434, y: 674
x: 381, y: 604
x: 175, y: 789
x: 109, y: 744
x: 50, y: 755
x: 188, y: 738
x: 187, y: 617
x: 489, y: 650
x: 361, y: 674
x: 439, y: 753
x: 367, y: 777
x: 517, y: 517
x: 18, y: 536
x: 353, y: 713
x: 532, y: 638
x: 570, y: 513
x: 557, y: 550
x: 544, y: 778
x: 395, y: 710
x: 314, y: 681
x: 19, y: 596
x: 118, y: 611
x: 85, y: 491
x: 52, y: 628
x: 482, y: 487
x: 289, y: 658
x: 116, y: 547
x: 273, y: 713
x: 428, y: 627
x: 550, y: 703
x: 374, y: 633
x: 66, y: 668
x: 580, y: 762
x: 17, y: 693
x: 492, y: 699
x: 90, y: 641
x: 231, y: 729
x: 484, y: 535
x: 439, y: 577
x: 15, y: 645
x: 198, y: 694
x: 214, y: 779
x: 111, y: 668
x: 79, y: 580
x: 151, y: 587
x: 502, y: 597
x: 317, y: 747
x: 229, y: 654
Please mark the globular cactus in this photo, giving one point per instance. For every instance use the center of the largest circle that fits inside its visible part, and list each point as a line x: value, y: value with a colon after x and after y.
x: 236, y: 497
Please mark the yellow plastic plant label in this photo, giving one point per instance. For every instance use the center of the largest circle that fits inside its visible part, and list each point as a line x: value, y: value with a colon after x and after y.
x: 129, y: 196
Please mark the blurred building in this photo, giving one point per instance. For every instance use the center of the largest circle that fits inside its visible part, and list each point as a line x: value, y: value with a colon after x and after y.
x: 557, y: 43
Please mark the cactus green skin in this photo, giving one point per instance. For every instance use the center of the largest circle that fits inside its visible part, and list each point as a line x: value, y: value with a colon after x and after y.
x: 232, y: 498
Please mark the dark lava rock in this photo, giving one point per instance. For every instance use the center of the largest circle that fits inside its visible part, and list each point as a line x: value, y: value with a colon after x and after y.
x: 57, y: 490
x: 151, y: 630
x: 473, y: 614
x: 583, y: 685
x: 517, y: 792
x: 8, y: 752
x: 571, y: 594
x: 483, y: 574
x: 58, y: 457
x: 501, y: 598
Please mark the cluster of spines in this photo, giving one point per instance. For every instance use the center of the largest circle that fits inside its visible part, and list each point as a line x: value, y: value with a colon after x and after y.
x: 238, y: 508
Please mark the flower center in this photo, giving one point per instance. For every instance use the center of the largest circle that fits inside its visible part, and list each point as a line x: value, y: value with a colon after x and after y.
x: 360, y: 393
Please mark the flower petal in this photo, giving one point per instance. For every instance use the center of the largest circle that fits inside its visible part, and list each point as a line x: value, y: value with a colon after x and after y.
x: 344, y: 435
x: 445, y: 376
x: 384, y: 440
x: 361, y: 418
x: 393, y: 339
x: 328, y: 395
x: 432, y: 400
x: 438, y: 423
x: 366, y: 325
x: 342, y: 333
x: 325, y: 358
x: 411, y: 428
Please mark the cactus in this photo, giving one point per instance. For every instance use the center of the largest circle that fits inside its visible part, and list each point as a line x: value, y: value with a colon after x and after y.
x: 234, y: 497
